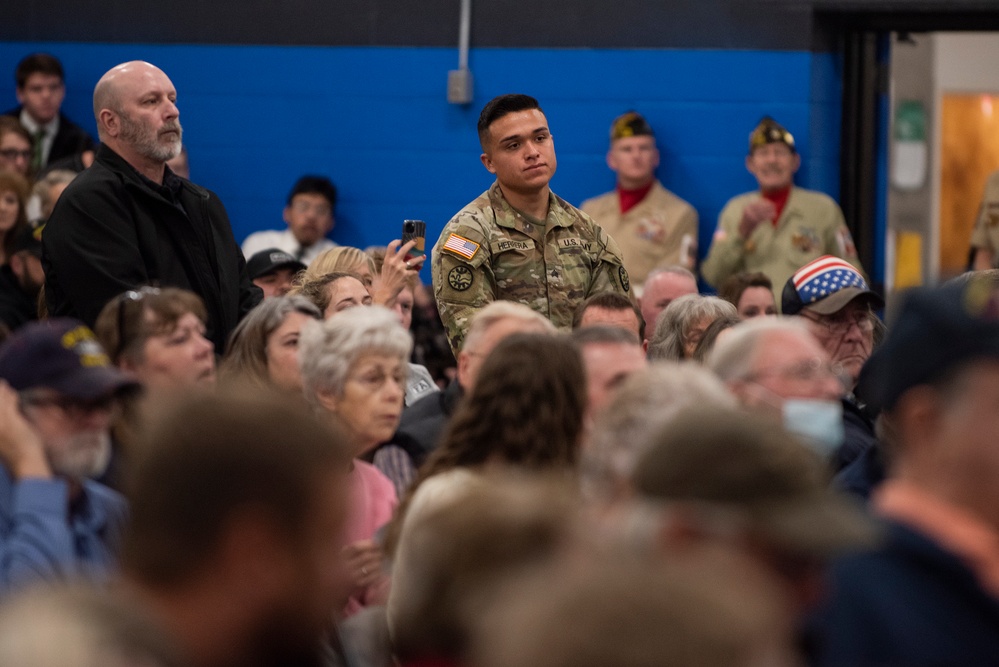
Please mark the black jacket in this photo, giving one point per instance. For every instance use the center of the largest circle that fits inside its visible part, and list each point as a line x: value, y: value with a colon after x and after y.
x: 112, y: 230
x: 71, y: 139
x: 908, y: 603
x: 16, y: 306
x: 423, y: 423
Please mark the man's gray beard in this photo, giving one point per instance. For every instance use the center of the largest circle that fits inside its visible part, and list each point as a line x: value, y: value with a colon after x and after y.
x: 135, y: 135
x: 84, y: 455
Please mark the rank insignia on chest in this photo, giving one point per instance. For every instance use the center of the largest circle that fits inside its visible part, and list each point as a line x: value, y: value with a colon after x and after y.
x: 461, y: 246
x: 460, y: 278
x: 805, y: 241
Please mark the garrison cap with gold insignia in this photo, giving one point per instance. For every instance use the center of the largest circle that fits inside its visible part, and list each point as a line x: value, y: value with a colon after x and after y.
x: 770, y: 131
x: 630, y: 124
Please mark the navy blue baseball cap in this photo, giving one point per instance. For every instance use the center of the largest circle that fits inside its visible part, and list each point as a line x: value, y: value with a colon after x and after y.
x: 936, y: 330
x: 62, y: 354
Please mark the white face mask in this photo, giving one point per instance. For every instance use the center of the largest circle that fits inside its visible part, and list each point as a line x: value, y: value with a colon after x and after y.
x: 818, y: 422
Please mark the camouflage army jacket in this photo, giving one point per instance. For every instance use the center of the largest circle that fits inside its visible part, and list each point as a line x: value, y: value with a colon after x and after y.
x: 491, y: 251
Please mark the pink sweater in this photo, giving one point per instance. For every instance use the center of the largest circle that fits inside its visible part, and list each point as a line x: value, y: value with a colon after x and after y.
x: 372, y: 502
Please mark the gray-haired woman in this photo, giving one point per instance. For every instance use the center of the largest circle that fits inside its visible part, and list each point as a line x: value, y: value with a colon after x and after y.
x: 354, y: 374
x: 680, y: 327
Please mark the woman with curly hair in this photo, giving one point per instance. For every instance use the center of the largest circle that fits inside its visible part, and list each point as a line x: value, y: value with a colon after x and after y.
x: 524, y: 413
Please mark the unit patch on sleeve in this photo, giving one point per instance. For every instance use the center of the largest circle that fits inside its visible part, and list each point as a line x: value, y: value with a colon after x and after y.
x: 460, y: 278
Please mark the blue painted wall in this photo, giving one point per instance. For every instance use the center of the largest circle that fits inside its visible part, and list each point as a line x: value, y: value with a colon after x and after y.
x: 377, y: 122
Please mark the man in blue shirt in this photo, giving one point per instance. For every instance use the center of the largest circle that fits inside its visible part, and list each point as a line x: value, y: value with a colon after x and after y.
x: 58, y: 391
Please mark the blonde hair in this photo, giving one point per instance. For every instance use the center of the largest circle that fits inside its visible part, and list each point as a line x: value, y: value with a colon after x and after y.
x: 342, y: 259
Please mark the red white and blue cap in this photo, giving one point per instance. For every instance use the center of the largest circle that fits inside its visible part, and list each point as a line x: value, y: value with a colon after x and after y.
x: 824, y: 286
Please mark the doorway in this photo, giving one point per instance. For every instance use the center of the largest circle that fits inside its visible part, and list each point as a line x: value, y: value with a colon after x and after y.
x: 930, y: 214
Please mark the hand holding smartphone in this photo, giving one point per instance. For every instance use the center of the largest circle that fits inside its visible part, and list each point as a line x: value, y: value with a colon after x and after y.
x: 415, y: 230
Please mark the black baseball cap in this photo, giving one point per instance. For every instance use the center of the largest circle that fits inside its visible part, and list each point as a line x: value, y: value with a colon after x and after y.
x: 936, y: 330
x: 270, y: 260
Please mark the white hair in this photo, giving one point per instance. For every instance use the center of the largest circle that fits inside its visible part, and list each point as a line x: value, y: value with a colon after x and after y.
x: 498, y: 311
x: 734, y: 356
x: 328, y: 350
x: 644, y: 403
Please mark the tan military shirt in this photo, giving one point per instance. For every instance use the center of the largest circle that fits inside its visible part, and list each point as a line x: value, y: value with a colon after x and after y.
x: 986, y: 232
x: 811, y: 225
x: 491, y: 251
x: 658, y: 231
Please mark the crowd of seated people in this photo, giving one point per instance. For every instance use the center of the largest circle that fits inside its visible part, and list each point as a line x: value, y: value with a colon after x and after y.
x: 681, y: 479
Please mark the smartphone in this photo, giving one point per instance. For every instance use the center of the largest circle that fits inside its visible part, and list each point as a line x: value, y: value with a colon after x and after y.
x: 415, y: 230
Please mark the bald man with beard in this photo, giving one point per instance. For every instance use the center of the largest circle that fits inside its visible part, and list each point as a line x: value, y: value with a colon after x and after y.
x: 129, y: 221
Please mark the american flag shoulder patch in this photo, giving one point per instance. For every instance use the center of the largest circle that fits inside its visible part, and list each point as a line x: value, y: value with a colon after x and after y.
x: 461, y: 246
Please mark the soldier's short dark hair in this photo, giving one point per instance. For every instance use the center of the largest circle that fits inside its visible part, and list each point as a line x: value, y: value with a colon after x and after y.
x: 37, y: 63
x: 609, y: 301
x: 500, y: 106
x: 319, y: 185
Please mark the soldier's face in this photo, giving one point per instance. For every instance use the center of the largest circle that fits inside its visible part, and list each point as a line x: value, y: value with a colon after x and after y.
x: 520, y: 151
x: 774, y: 166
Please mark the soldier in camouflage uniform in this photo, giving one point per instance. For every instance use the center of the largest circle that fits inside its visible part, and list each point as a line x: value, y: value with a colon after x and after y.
x: 518, y: 241
x: 779, y: 228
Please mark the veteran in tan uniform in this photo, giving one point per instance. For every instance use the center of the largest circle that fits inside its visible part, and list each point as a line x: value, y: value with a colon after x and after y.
x: 779, y: 228
x: 653, y: 227
x: 519, y: 241
x: 985, y: 237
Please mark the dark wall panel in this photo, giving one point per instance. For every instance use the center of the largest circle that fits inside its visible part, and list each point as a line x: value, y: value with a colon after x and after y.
x: 726, y: 24
x: 771, y: 24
